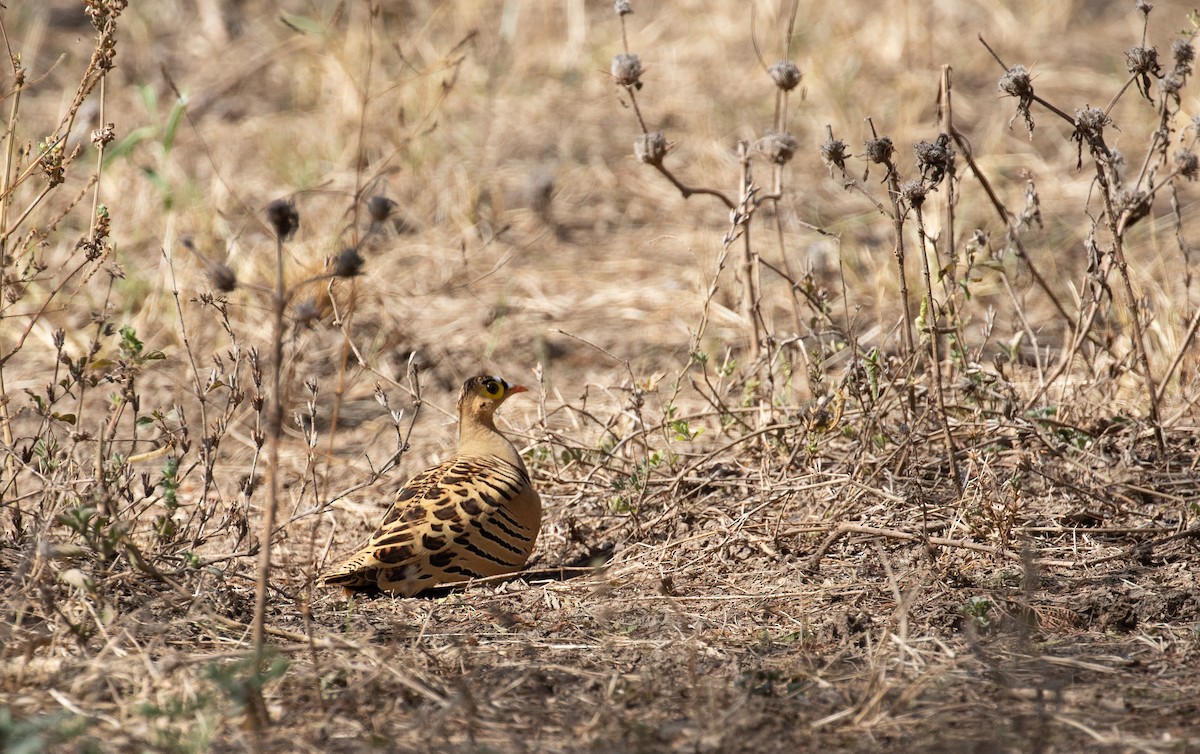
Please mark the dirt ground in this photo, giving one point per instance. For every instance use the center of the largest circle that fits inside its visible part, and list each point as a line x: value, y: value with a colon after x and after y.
x: 820, y: 542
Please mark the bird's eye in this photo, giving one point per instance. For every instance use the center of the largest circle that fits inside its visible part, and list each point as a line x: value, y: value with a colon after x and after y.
x: 492, y: 388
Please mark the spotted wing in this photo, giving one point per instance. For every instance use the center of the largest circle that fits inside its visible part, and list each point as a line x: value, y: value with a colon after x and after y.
x: 465, y: 518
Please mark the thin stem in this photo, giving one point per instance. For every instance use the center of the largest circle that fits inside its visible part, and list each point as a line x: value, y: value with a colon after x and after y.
x: 935, y: 352
x: 274, y: 430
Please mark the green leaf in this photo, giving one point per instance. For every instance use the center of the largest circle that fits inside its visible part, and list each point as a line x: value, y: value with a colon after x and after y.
x: 125, y: 147
x: 174, y: 119
x: 306, y: 24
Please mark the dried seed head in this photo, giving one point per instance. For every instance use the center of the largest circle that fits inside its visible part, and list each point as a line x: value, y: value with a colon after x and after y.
x: 623, y: 7
x: 1171, y: 84
x: 779, y: 148
x: 1090, y: 121
x: 283, y: 217
x: 1142, y: 60
x: 913, y: 192
x: 306, y: 313
x: 348, y: 263
x: 627, y: 69
x: 100, y: 11
x: 1017, y: 83
x: 833, y: 153
x: 1187, y: 164
x: 1184, y: 54
x: 380, y: 208
x: 222, y: 277
x: 1134, y: 205
x: 934, y: 158
x: 101, y: 137
x: 1144, y: 7
x: 650, y: 148
x: 879, y: 150
x: 786, y: 75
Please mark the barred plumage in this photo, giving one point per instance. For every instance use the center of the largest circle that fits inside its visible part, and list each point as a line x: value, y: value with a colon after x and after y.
x: 474, y: 515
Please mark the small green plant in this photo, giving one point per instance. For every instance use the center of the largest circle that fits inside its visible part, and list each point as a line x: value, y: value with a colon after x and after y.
x: 977, y: 610
x: 164, y: 524
x: 242, y: 681
x: 43, y: 733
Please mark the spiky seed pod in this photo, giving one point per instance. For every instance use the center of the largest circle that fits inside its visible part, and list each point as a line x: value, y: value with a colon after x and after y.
x: 623, y: 7
x: 1142, y: 60
x: 284, y: 218
x: 934, y: 158
x: 1184, y: 54
x: 222, y: 277
x: 779, y: 148
x: 785, y: 74
x: 1016, y: 82
x: 913, y: 192
x: 650, y: 148
x: 880, y: 150
x: 833, y: 153
x: 1090, y: 121
x: 306, y: 313
x: 380, y: 208
x: 1188, y: 164
x: 1135, y: 205
x: 627, y: 69
x: 348, y: 263
x: 101, y: 137
x: 1171, y: 84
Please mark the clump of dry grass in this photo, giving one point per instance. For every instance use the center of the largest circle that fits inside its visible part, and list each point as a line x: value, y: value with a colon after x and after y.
x: 795, y: 497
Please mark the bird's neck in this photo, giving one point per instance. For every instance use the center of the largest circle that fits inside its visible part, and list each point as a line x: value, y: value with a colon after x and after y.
x: 478, y: 436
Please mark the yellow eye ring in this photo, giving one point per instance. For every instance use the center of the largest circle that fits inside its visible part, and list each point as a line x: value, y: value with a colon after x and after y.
x: 493, y: 388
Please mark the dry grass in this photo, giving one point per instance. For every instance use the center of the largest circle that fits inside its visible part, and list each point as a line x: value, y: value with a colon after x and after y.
x: 812, y: 539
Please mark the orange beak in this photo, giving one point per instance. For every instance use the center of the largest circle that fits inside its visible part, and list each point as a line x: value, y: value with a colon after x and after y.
x: 518, y: 389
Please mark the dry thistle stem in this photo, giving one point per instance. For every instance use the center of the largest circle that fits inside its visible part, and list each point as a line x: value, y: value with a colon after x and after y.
x: 786, y: 75
x: 1184, y: 54
x: 779, y: 148
x: 1089, y: 128
x: 222, y: 277
x: 833, y: 152
x: 306, y: 313
x: 913, y: 193
x: 650, y: 148
x: 283, y: 217
x: 1133, y: 206
x: 1171, y: 85
x: 348, y: 263
x: 627, y: 69
x: 1187, y: 164
x: 623, y: 7
x: 1016, y: 82
x: 380, y: 208
x: 879, y: 150
x: 104, y: 136
x: 1143, y: 63
x: 934, y: 158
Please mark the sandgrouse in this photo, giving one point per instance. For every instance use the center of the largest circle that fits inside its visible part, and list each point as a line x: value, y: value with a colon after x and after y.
x: 474, y: 515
